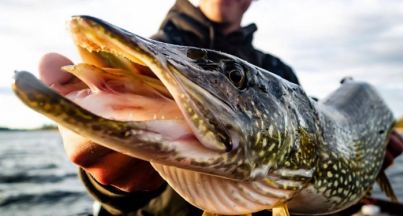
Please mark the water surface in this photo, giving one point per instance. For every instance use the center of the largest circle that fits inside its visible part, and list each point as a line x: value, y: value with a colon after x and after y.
x: 37, y: 178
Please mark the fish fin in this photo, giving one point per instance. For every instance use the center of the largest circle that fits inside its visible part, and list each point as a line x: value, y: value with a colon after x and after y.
x: 368, y: 194
x: 213, y: 214
x: 385, y: 186
x: 281, y: 210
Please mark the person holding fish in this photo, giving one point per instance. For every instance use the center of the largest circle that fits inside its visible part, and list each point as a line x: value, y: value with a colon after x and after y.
x: 123, y: 184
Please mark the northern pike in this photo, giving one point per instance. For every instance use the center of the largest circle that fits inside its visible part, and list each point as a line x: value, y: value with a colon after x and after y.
x: 229, y: 137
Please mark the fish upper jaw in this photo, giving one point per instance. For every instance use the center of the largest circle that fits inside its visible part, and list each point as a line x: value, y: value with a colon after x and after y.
x: 95, y: 35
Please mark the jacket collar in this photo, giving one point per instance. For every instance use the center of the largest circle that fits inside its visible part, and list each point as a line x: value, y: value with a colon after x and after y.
x: 189, y: 18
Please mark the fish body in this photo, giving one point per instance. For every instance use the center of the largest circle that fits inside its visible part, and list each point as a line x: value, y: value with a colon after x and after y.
x: 229, y: 137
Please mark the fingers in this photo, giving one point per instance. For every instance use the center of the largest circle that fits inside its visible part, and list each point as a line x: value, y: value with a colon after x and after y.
x: 387, y: 161
x: 393, y: 149
x: 109, y: 167
x: 106, y: 166
x: 51, y: 74
x: 395, y: 145
x: 138, y: 177
x: 80, y: 150
x: 49, y: 69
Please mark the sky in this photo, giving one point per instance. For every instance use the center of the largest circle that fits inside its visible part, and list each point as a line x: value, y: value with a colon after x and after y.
x: 323, y: 41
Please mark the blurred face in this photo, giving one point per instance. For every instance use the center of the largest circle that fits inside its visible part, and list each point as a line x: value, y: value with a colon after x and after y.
x: 227, y: 12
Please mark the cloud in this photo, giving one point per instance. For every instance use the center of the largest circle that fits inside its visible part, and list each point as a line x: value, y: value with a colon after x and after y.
x: 336, y: 34
x: 34, y: 28
x: 6, y: 91
x: 37, y: 27
x: 16, y: 115
x: 323, y: 41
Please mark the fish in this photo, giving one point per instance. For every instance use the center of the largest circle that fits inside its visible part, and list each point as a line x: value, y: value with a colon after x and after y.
x: 229, y: 137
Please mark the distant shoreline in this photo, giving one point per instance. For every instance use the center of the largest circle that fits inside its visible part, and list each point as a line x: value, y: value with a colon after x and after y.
x: 43, y: 128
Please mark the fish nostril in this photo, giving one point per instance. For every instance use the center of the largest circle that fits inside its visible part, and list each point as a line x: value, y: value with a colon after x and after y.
x: 196, y: 54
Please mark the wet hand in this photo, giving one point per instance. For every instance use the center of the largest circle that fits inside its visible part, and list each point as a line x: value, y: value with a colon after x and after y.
x: 393, y: 149
x: 106, y: 166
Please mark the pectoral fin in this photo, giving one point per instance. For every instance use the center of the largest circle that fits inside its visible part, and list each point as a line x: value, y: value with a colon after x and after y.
x: 213, y: 214
x: 385, y: 186
x: 281, y: 210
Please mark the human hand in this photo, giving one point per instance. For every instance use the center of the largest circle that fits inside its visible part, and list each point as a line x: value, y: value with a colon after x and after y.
x: 393, y: 149
x: 108, y: 167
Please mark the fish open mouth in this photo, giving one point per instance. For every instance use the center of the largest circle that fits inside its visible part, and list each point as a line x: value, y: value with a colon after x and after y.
x: 140, y: 97
x: 153, y: 71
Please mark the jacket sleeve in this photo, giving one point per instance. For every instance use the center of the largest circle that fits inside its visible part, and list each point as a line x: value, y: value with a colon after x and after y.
x: 275, y: 65
x: 290, y: 75
x: 168, y: 33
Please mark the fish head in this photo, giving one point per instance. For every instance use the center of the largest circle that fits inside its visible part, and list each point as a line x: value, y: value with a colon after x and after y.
x: 207, y: 85
x: 228, y: 115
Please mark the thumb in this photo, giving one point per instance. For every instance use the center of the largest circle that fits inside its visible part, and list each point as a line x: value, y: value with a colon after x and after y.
x: 49, y: 69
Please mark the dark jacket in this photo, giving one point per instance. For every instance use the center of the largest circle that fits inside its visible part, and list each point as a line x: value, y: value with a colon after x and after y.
x: 184, y: 25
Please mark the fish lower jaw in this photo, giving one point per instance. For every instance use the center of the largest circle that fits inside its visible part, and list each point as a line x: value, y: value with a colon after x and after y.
x: 222, y: 196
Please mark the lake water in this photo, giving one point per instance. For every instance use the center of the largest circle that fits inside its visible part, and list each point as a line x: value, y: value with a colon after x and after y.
x: 37, y: 178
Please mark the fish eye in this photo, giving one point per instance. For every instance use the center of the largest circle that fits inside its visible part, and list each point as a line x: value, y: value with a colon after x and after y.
x: 236, y: 75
